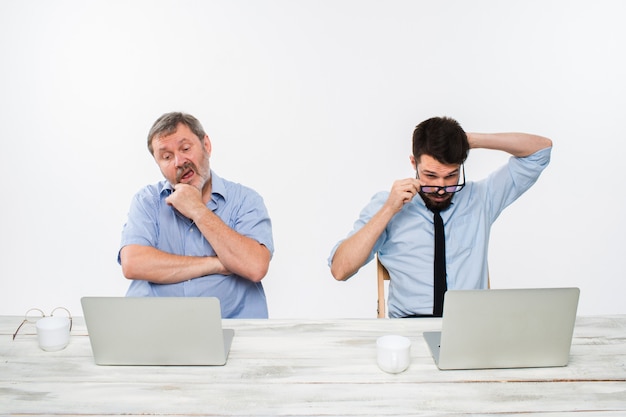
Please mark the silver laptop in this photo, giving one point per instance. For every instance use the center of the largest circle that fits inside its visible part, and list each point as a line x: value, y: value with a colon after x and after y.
x: 156, y: 330
x: 505, y: 328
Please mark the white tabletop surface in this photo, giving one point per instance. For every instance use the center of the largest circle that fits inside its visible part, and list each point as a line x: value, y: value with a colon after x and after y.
x: 312, y: 368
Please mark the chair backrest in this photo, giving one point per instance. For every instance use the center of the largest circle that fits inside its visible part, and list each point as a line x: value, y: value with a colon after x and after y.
x: 383, y: 275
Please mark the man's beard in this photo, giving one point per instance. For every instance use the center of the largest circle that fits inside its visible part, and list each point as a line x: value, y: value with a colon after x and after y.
x: 188, y: 166
x: 203, y: 178
x: 436, y: 205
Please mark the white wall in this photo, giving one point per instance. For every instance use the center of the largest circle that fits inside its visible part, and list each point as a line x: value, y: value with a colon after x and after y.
x: 313, y: 104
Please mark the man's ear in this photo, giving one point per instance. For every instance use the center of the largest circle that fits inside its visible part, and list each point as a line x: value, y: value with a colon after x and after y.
x: 206, y: 142
x: 413, y: 162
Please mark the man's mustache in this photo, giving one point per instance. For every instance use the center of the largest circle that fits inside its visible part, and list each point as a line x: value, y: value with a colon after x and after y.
x: 181, y: 171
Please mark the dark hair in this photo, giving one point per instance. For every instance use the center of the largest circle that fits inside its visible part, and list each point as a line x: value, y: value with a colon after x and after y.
x: 443, y: 139
x: 168, y: 123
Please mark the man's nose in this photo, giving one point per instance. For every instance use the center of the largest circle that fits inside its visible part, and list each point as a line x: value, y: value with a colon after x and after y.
x: 179, y: 160
x: 441, y: 182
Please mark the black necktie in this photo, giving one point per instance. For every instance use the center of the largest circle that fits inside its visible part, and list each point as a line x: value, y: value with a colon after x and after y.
x: 439, y: 265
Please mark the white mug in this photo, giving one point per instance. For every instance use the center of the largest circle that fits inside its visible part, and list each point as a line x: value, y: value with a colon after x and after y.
x: 53, y: 333
x: 393, y: 353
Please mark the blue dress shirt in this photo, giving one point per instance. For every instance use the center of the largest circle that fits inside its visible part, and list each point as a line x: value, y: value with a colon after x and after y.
x: 406, y: 247
x: 151, y: 222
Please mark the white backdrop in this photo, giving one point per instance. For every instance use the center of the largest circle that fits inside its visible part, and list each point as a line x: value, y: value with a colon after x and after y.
x: 313, y: 104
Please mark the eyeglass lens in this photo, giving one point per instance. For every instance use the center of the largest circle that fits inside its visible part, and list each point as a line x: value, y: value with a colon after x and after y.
x: 31, y: 316
x: 432, y: 189
x: 435, y: 189
x: 35, y: 314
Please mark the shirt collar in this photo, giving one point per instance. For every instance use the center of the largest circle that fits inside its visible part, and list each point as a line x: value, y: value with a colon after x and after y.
x: 218, y: 187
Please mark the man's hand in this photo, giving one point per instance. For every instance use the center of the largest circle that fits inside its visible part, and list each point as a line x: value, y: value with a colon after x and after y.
x: 402, y: 192
x: 187, y: 199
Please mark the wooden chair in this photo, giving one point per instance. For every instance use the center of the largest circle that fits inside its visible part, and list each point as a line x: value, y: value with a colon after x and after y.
x: 383, y: 275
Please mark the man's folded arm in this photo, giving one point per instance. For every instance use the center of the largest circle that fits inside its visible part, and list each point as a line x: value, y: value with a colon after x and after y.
x: 150, y: 264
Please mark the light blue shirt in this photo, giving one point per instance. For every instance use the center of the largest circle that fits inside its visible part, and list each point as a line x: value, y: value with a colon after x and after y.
x: 406, y: 247
x: 151, y: 222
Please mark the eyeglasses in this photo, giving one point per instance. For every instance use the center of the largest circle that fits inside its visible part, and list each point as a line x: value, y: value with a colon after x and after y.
x: 32, y: 317
x: 435, y: 189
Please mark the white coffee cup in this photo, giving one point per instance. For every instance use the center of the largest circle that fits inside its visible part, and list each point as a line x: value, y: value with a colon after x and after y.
x: 393, y: 353
x: 53, y: 333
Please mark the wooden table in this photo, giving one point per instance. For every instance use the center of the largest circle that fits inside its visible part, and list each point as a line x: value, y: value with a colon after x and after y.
x: 312, y: 368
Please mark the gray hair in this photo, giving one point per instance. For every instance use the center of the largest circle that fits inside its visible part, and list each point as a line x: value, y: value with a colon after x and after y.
x: 168, y: 123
